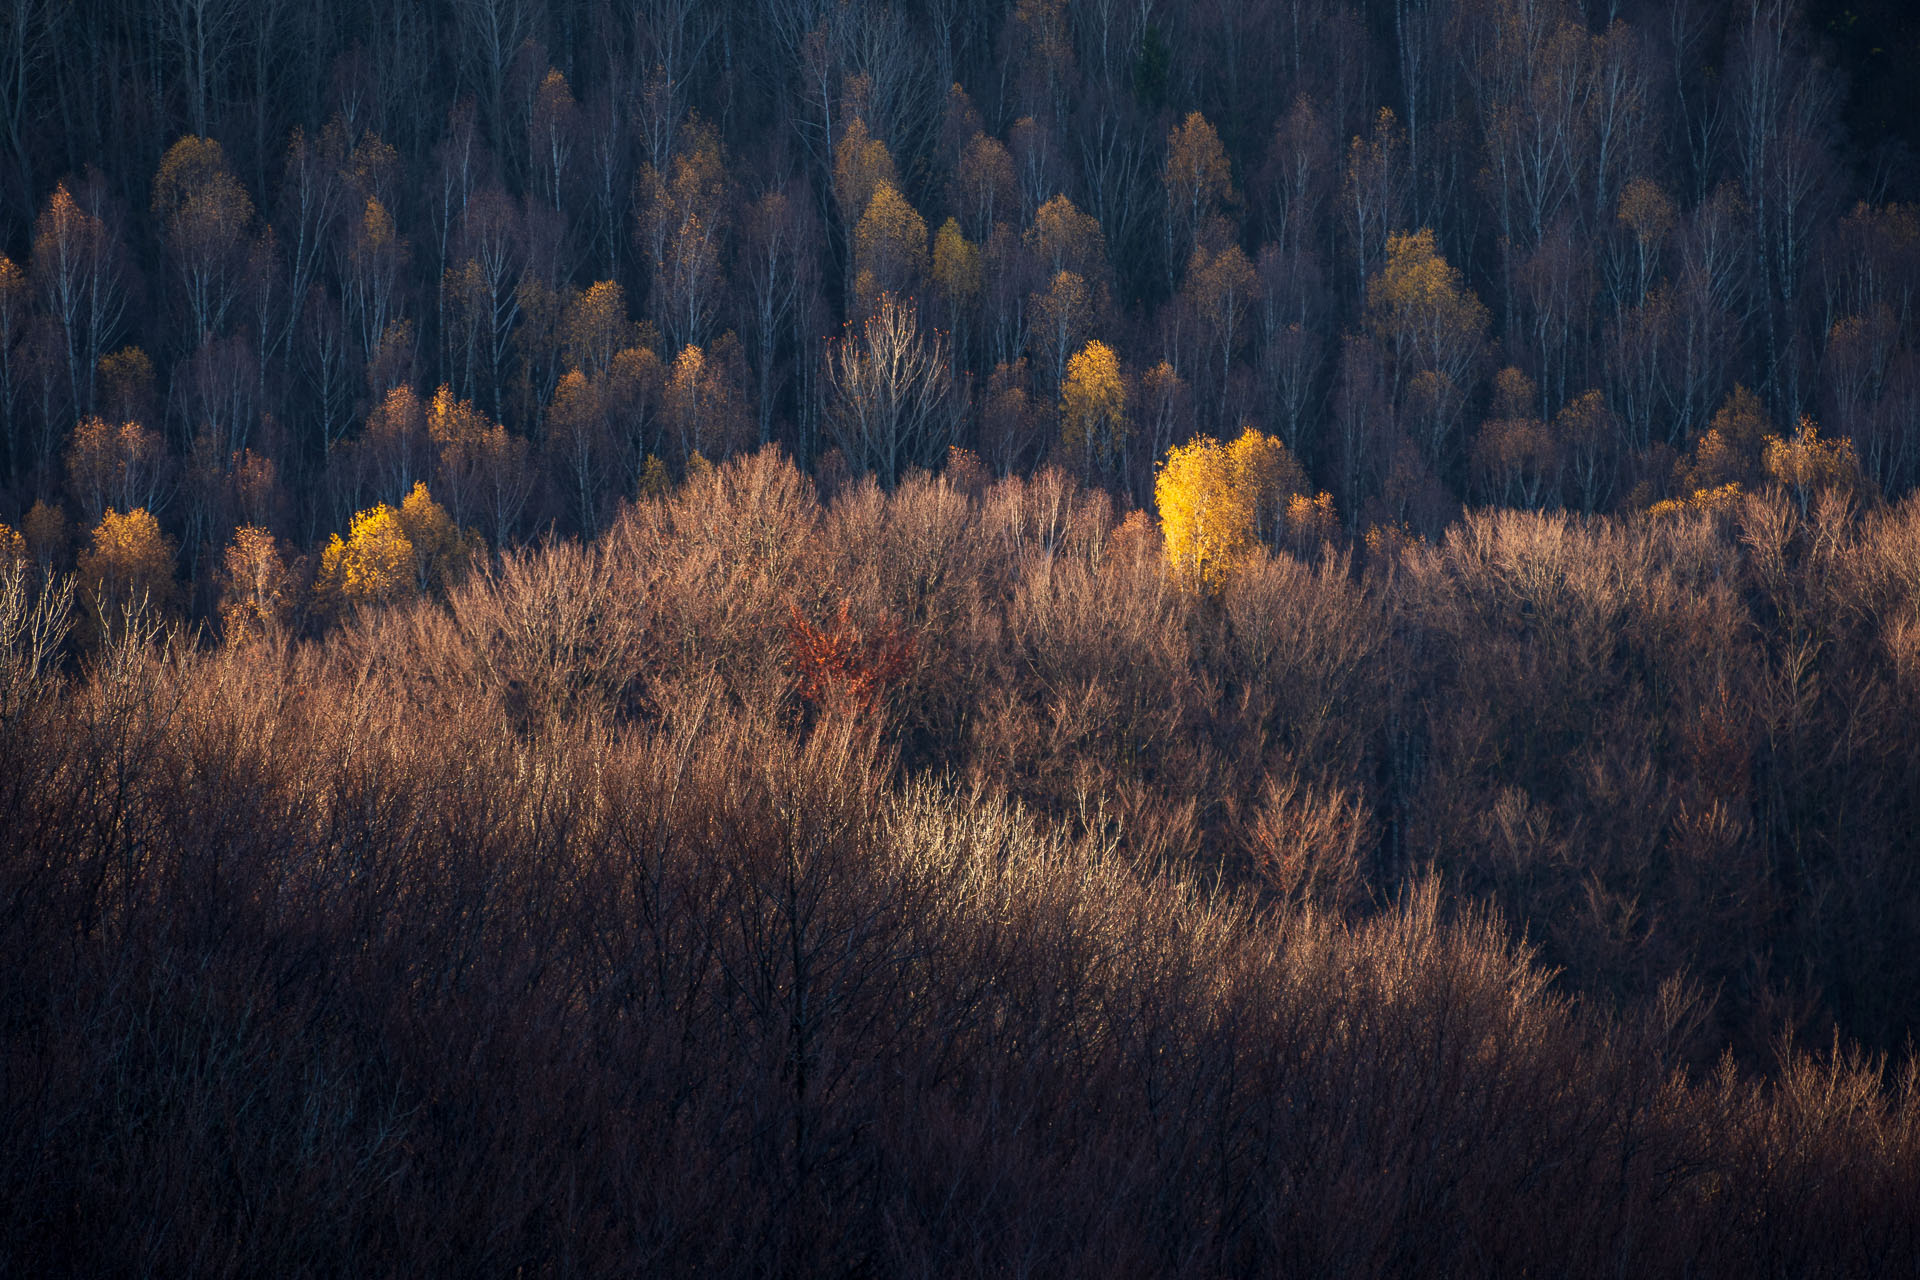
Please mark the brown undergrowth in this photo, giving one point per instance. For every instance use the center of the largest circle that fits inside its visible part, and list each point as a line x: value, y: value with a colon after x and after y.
x: 1366, y: 920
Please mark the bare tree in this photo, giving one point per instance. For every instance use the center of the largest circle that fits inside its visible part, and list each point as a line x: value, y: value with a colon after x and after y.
x: 780, y: 248
x: 894, y: 405
x: 80, y: 268
x: 203, y: 35
x: 491, y: 32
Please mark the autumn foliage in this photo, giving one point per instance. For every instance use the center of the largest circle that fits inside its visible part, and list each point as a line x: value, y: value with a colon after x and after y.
x: 1125, y: 924
x: 836, y: 666
x: 1052, y: 637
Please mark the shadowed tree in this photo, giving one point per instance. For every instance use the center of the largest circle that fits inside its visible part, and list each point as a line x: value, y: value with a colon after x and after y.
x: 15, y: 302
x: 206, y: 220
x: 1434, y: 332
x: 124, y: 466
x: 894, y: 405
x: 1198, y: 182
x: 79, y: 267
x: 780, y: 244
x: 684, y: 225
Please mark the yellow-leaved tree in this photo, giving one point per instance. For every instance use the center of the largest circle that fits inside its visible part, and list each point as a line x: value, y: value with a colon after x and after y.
x: 1217, y: 500
x: 1434, y: 331
x: 391, y: 554
x: 889, y: 247
x: 1093, y: 407
x: 13, y: 548
x: 1805, y: 464
x: 127, y: 560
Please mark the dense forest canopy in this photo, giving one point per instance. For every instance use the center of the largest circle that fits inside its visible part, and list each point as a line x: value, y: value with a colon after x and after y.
x: 1054, y: 637
x: 1487, y: 251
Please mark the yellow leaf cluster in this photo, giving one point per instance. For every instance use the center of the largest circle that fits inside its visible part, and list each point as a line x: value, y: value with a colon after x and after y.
x: 1418, y: 288
x: 889, y: 245
x: 194, y: 188
x: 956, y: 263
x: 391, y: 555
x: 373, y: 565
x: 454, y: 422
x: 594, y: 328
x: 861, y: 166
x: 1065, y: 239
x: 1805, y: 463
x: 128, y: 557
x: 1197, y: 169
x: 1093, y: 401
x: 1714, y: 501
x: 1311, y: 521
x: 1215, y: 499
x: 654, y: 480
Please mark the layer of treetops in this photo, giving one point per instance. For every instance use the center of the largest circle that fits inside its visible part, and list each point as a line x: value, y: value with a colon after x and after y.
x: 271, y: 265
x: 825, y: 637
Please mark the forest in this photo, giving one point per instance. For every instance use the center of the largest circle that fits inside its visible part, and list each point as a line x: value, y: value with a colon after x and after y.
x: 1003, y: 637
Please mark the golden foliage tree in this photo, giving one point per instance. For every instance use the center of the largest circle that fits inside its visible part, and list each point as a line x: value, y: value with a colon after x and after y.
x: 372, y: 565
x: 1065, y: 239
x: 861, y: 166
x: 889, y: 247
x: 1804, y: 464
x: 393, y: 554
x: 128, y: 558
x: 703, y: 404
x: 956, y: 263
x: 482, y: 467
x: 1061, y: 317
x: 1205, y: 522
x: 1728, y: 458
x: 1267, y: 475
x: 1216, y: 500
x: 594, y: 328
x: 1093, y: 407
x: 1198, y: 181
x: 1435, y: 330
x: 441, y: 549
x: 13, y: 548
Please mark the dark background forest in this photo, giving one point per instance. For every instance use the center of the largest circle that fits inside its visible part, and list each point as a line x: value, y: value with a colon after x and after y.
x: 1635, y: 215
x: 831, y: 638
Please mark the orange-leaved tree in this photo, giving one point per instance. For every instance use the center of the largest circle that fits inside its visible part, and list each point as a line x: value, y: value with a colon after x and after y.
x: 837, y: 667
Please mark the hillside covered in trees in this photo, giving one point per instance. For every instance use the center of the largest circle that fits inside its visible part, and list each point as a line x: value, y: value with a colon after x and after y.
x: 1450, y: 252
x: 823, y: 637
